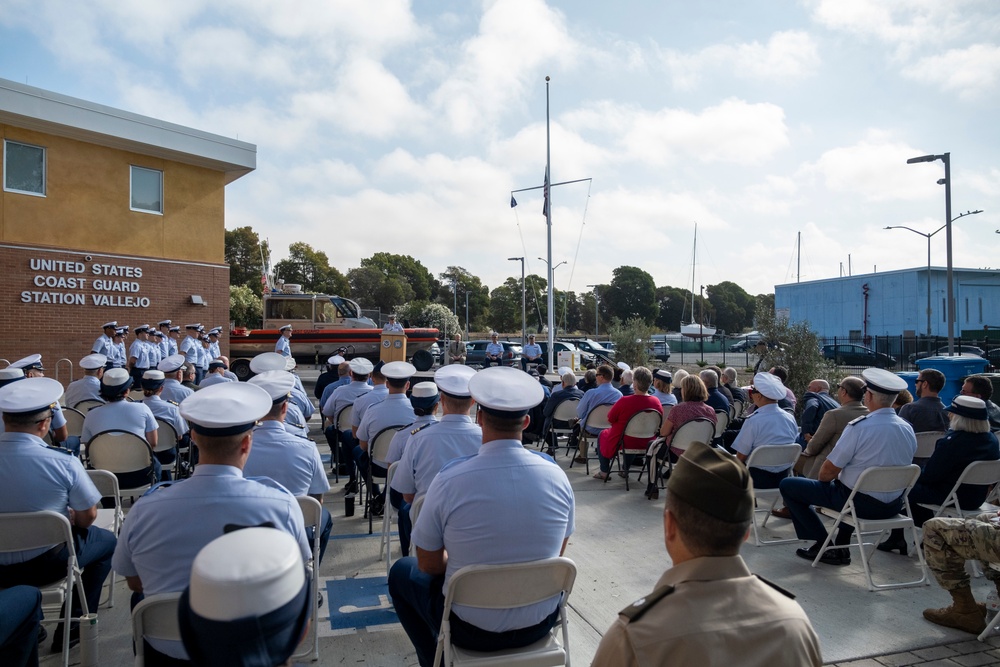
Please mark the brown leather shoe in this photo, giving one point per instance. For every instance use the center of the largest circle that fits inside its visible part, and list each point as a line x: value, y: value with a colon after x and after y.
x: 783, y: 513
x: 951, y: 618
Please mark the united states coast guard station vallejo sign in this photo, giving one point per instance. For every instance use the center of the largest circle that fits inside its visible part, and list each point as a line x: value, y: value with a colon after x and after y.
x: 84, y: 283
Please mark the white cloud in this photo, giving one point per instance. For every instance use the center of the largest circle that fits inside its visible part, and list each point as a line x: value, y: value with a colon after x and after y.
x: 787, y: 56
x: 774, y: 196
x: 875, y: 169
x: 985, y: 183
x: 973, y: 72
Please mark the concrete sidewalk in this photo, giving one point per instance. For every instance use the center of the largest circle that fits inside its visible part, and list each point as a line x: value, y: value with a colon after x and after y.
x: 619, y: 552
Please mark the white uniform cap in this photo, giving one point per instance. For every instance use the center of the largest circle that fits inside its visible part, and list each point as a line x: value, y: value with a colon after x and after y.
x: 30, y: 395
x: 112, y: 323
x: 565, y: 369
x: 163, y: 323
x: 152, y: 375
x: 424, y: 395
x: 335, y: 360
x: 30, y: 361
x: 360, y: 366
x: 453, y: 379
x: 227, y: 408
x: 11, y: 374
x: 769, y: 386
x: 192, y: 326
x: 114, y: 377
x: 269, y: 361
x: 93, y: 362
x: 883, y: 381
x: 506, y: 390
x: 398, y: 370
x: 171, y: 364
x: 277, y: 384
x: 622, y: 365
x: 287, y: 326
x: 247, y: 572
x: 289, y: 363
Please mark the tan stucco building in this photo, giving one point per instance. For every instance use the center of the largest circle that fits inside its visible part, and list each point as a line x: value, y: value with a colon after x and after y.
x: 107, y: 215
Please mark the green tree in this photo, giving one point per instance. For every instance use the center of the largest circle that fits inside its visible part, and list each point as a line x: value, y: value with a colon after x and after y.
x: 436, y: 315
x: 733, y: 307
x: 505, y: 306
x: 245, y: 308
x: 405, y: 269
x: 458, y: 279
x: 243, y: 255
x: 632, y: 293
x: 794, y: 346
x: 372, y: 288
x: 311, y: 269
x: 673, y: 302
x: 631, y: 341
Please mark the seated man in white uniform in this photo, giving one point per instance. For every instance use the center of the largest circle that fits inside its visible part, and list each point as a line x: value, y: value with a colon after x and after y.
x: 507, y: 483
x: 169, y: 525
x: 87, y: 388
x: 121, y: 415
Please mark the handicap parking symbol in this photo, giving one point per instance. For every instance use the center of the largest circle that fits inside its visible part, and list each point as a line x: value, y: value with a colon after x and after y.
x: 361, y: 602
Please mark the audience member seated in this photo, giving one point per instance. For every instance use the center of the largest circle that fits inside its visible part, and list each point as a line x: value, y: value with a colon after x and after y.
x: 768, y: 425
x: 716, y: 400
x: 625, y: 386
x: 678, y: 379
x: 816, y: 402
x: 708, y: 586
x: 729, y: 380
x: 927, y: 412
x: 981, y: 387
x: 603, y: 394
x: 904, y: 398
x: 20, y: 615
x: 618, y: 417
x: 692, y: 406
x: 969, y: 439
x: 588, y: 381
x: 569, y: 391
x: 663, y: 388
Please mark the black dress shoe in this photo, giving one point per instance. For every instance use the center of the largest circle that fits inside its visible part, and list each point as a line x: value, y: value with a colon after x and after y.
x: 895, y: 544
x: 836, y: 557
x: 57, y: 637
x: 808, y: 554
x: 351, y: 487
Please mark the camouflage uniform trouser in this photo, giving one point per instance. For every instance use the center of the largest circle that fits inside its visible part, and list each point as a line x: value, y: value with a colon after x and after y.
x: 948, y: 543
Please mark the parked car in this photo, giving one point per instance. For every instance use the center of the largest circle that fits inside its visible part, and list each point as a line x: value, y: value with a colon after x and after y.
x: 602, y: 352
x: 475, y: 353
x: 943, y: 351
x: 564, y: 346
x: 660, y: 349
x: 993, y: 356
x: 851, y: 354
x: 744, y: 344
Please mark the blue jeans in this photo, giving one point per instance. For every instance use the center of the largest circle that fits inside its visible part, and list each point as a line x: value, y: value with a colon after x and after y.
x: 20, y: 613
x: 766, y: 479
x: 419, y: 603
x: 799, y: 493
x: 94, y: 547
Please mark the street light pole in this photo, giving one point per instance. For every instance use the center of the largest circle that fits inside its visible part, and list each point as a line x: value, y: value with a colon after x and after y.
x: 928, y: 237
x: 466, y: 314
x: 597, y: 315
x: 524, y: 312
x: 552, y: 321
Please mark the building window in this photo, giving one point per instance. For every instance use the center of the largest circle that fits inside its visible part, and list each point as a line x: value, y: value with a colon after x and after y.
x: 23, y: 168
x: 146, y: 190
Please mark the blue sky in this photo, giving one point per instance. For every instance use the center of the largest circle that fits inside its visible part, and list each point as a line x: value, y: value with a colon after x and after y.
x: 386, y: 125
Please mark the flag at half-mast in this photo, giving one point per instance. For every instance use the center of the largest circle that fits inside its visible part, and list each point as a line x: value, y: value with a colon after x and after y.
x: 545, y: 193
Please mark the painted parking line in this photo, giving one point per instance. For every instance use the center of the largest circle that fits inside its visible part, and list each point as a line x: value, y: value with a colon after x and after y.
x: 357, y: 603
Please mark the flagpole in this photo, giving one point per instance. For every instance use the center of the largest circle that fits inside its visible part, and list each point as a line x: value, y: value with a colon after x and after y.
x: 548, y: 224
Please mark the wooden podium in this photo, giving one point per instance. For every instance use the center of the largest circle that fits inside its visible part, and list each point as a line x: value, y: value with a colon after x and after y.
x: 393, y: 347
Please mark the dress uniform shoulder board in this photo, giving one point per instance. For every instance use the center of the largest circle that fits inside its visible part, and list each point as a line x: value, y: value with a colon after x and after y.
x: 61, y: 450
x: 776, y: 587
x: 173, y: 402
x: 421, y: 427
x: 859, y: 419
x: 635, y: 611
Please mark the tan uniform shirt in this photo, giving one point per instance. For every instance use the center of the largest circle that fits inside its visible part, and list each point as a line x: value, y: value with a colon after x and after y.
x: 711, y: 611
x: 826, y: 436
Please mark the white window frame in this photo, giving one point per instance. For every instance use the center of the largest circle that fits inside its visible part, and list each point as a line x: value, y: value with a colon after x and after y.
x: 131, y: 173
x: 45, y: 166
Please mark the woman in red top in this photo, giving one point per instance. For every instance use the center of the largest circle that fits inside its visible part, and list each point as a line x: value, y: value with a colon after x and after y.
x: 618, y: 417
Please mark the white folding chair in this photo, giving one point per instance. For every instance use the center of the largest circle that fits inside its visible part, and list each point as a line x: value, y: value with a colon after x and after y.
x: 415, y: 508
x: 978, y: 473
x: 378, y: 450
x: 505, y: 587
x: 154, y: 618
x: 564, y: 412
x: 21, y: 531
x: 87, y: 404
x: 735, y: 409
x: 880, y: 479
x: 721, y: 422
x: 121, y: 452
x: 645, y: 425
x: 109, y: 519
x: 312, y: 516
x: 598, y: 418
x: 74, y: 421
x: 770, y: 455
x: 385, y: 544
x: 926, y: 441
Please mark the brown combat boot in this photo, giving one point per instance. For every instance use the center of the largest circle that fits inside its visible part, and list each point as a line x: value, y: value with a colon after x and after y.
x: 963, y: 614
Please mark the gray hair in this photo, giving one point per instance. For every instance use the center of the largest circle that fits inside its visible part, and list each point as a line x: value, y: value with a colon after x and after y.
x: 642, y: 377
x: 709, y: 377
x: 568, y: 379
x: 729, y: 374
x: 968, y: 424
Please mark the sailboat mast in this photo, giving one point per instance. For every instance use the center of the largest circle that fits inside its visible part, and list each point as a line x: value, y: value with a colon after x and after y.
x: 548, y: 226
x: 694, y: 258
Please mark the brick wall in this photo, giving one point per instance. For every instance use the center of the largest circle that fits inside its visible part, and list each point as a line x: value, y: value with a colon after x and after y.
x: 62, y: 328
